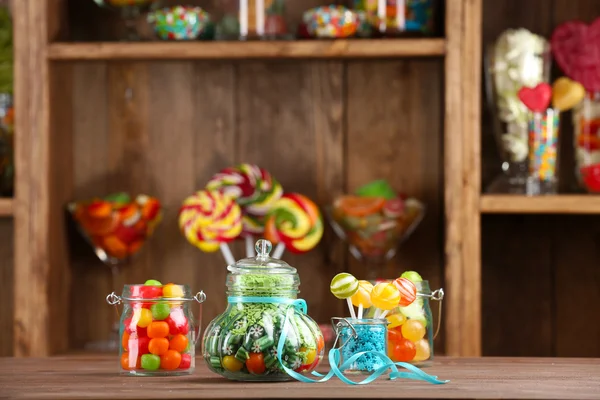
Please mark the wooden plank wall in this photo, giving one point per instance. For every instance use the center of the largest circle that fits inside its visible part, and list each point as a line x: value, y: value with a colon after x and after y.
x: 541, y: 274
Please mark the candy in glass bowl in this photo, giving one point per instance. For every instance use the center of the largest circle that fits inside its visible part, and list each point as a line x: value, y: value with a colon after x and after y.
x: 264, y: 333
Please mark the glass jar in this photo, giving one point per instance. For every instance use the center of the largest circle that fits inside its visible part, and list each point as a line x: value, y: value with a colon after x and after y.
x: 252, y: 19
x: 157, y: 331
x: 543, y: 131
x: 586, y: 123
x: 411, y: 329
x: 7, y: 169
x: 243, y: 343
x: 360, y: 335
x: 391, y: 18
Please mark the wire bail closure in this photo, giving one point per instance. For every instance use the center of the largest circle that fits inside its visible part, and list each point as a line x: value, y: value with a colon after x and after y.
x: 113, y: 299
x: 437, y: 295
x: 341, y: 322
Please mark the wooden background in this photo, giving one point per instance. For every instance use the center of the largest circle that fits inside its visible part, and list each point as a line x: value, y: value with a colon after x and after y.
x: 322, y: 128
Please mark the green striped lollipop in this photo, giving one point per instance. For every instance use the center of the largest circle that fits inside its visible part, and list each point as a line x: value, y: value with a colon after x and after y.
x: 343, y: 286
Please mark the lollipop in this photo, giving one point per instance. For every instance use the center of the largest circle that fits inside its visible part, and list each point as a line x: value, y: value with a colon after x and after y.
x: 294, y: 223
x: 344, y: 286
x: 209, y: 220
x: 408, y: 291
x: 385, y: 297
x: 362, y: 298
x: 255, y: 190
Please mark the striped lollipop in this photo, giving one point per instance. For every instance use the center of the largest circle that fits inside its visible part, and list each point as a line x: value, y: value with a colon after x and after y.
x: 385, y: 297
x: 344, y: 286
x: 362, y: 297
x: 408, y: 291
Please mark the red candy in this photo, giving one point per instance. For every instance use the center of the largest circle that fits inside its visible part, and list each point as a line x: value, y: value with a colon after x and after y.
x: 146, y: 292
x: 403, y: 350
x: 536, y: 98
x: 186, y: 361
x: 178, y: 323
x: 591, y: 177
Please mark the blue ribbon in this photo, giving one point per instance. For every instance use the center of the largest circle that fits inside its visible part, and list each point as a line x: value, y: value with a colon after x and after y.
x: 334, y: 354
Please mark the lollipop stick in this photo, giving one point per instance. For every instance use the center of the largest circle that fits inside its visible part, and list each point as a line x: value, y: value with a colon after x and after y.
x: 360, y: 311
x: 279, y: 250
x: 351, y: 308
x: 249, y: 246
x: 377, y: 312
x: 227, y: 254
x: 383, y: 314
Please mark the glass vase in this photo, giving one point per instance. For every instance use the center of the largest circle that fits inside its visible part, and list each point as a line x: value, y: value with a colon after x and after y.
x: 586, y: 134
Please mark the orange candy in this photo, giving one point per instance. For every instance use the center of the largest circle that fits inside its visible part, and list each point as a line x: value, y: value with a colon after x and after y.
x: 158, y: 346
x: 125, y: 362
x: 158, y: 329
x: 170, y: 360
x: 114, y: 247
x: 360, y: 206
x: 125, y: 341
x: 178, y: 343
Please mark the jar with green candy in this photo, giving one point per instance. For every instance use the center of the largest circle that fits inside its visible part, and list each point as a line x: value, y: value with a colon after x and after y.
x: 263, y: 316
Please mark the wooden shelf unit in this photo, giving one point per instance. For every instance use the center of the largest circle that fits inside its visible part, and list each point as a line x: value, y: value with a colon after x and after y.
x: 556, y: 204
x: 6, y: 207
x: 313, y: 49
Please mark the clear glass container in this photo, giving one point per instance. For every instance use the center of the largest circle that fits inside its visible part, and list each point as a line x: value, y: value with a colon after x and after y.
x: 252, y: 19
x: 392, y: 18
x: 7, y: 169
x: 157, y: 331
x: 241, y: 344
x: 359, y: 335
x: 543, y: 132
x: 586, y: 134
x: 411, y: 330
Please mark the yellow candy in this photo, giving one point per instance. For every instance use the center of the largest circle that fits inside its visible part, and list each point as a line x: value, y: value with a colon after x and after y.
x: 395, y: 320
x: 171, y: 290
x: 385, y: 296
x: 363, y: 295
x: 413, y: 330
x: 143, y: 317
x: 423, y: 350
x: 566, y: 93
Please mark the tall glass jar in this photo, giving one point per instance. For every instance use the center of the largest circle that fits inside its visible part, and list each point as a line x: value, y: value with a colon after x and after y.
x: 263, y: 316
x: 252, y: 19
x: 586, y: 123
x: 391, y: 18
x: 158, y: 330
x: 6, y: 145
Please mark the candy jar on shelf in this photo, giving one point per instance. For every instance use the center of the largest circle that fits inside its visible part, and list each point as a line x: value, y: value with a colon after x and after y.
x: 116, y: 227
x: 130, y: 11
x: 252, y: 19
x: 516, y: 59
x: 157, y: 330
x: 390, y: 18
x: 374, y: 222
x: 586, y: 123
x: 265, y: 333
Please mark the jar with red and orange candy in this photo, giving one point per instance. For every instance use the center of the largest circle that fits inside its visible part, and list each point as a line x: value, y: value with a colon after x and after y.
x: 158, y: 330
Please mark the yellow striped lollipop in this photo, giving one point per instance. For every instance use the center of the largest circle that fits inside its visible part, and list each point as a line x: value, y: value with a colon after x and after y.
x: 362, y: 298
x: 343, y: 286
x: 385, y: 296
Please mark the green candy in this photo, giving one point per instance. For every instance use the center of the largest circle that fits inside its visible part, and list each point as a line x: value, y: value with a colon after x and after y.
x: 150, y: 362
x: 214, y: 362
x: 160, y: 311
x: 378, y: 188
x: 242, y: 355
x: 152, y: 282
x: 343, y: 285
x: 412, y: 276
x: 121, y: 198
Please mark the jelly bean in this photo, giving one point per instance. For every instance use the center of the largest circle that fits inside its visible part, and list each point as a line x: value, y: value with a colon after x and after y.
x: 423, y: 350
x: 412, y: 276
x: 413, y: 330
x: 232, y: 364
x: 256, y: 364
x: 173, y: 291
x: 186, y: 361
x: 178, y: 343
x: 404, y: 350
x: 125, y: 362
x: 395, y: 320
x: 158, y: 346
x: 150, y: 362
x: 142, y: 342
x: 152, y: 282
x: 143, y: 316
x: 170, y: 360
x: 158, y: 329
x: 160, y: 311
x: 131, y: 327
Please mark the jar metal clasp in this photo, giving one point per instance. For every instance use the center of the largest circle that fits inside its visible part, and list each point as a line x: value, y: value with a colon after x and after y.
x: 437, y: 295
x: 339, y: 323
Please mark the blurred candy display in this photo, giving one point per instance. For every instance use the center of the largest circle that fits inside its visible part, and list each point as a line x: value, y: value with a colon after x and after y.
x: 396, y: 17
x: 7, y: 118
x: 129, y: 10
x: 252, y: 19
x: 182, y: 23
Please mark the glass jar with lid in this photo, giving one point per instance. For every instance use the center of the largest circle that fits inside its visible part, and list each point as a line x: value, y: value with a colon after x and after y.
x: 252, y: 19
x: 265, y: 332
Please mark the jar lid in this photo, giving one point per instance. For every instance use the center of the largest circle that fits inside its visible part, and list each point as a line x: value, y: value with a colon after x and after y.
x: 262, y: 263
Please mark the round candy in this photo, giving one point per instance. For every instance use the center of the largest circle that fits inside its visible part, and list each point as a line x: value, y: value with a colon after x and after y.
x: 171, y: 290
x: 170, y: 360
x: 186, y: 361
x: 363, y: 295
x: 232, y: 364
x: 413, y: 330
x: 344, y: 285
x: 412, y: 276
x: 152, y: 282
x: 296, y: 221
x: 158, y: 329
x: 150, y: 362
x: 178, y: 343
x: 423, y: 350
x: 160, y: 310
x: 408, y: 291
x: 208, y: 219
x: 158, y: 346
x: 256, y: 364
x: 385, y: 296
x: 143, y: 316
x: 395, y: 320
x: 402, y: 351
x: 177, y: 322
x: 125, y: 364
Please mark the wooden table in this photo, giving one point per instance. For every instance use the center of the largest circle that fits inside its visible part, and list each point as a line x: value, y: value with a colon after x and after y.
x: 95, y: 377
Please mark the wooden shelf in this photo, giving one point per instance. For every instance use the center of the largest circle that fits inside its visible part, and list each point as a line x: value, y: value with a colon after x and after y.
x: 357, y: 48
x: 6, y: 207
x: 559, y: 204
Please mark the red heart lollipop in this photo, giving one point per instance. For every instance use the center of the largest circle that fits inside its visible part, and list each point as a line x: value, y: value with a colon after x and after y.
x: 591, y: 177
x: 576, y: 48
x: 537, y: 98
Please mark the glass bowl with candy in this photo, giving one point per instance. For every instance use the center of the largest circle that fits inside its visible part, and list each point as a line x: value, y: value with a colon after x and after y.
x: 265, y: 333
x: 158, y: 331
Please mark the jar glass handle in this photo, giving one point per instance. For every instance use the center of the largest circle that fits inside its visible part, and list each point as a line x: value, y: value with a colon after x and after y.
x: 438, y: 295
x: 200, y: 297
x: 114, y: 300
